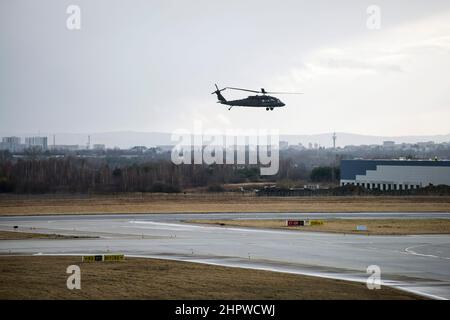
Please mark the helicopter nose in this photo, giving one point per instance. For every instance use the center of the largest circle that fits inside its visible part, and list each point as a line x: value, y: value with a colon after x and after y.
x: 282, y: 104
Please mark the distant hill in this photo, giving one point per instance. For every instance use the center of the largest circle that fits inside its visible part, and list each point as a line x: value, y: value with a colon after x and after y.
x: 126, y: 139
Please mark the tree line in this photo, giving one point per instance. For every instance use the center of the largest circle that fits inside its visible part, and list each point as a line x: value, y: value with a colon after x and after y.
x: 75, y: 174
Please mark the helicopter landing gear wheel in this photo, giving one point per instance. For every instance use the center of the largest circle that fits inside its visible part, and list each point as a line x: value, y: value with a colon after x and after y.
x: 267, y: 109
x: 271, y: 109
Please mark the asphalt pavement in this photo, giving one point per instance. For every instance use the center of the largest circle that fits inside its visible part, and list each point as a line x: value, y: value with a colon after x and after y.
x: 417, y: 263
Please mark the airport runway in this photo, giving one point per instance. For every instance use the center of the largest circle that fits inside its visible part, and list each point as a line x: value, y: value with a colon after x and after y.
x: 419, y: 263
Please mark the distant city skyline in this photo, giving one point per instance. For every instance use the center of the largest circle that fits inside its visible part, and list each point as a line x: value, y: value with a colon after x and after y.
x: 150, y: 66
x: 130, y: 139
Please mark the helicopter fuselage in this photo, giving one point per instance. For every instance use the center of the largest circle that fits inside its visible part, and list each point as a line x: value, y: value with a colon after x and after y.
x: 262, y: 101
x: 258, y: 101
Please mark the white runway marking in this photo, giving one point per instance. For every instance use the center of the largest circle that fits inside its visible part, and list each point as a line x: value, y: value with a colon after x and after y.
x: 410, y: 251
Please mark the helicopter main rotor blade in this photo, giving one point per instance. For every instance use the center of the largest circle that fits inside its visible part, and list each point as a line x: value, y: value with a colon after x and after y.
x: 271, y: 92
x: 263, y: 91
x: 241, y: 89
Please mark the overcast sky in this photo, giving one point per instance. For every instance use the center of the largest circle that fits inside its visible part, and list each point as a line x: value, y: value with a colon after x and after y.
x: 151, y: 65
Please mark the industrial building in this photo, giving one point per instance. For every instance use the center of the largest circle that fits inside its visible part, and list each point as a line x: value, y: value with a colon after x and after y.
x: 99, y: 147
x: 394, y: 174
x: 65, y: 147
x: 40, y: 142
x: 11, y: 143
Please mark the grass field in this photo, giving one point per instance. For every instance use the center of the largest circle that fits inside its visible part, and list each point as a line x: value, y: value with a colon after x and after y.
x: 16, y: 235
x: 227, y: 202
x: 41, y: 277
x: 374, y: 226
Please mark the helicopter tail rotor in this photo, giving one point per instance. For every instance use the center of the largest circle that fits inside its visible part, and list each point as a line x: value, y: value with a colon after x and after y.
x: 219, y: 95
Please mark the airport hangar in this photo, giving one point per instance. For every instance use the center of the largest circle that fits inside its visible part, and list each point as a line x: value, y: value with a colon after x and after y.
x: 395, y: 174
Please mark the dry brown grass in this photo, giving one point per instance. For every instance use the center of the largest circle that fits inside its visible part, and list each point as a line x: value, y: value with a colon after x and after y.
x: 17, y: 235
x: 204, y: 203
x: 375, y: 226
x: 45, y: 278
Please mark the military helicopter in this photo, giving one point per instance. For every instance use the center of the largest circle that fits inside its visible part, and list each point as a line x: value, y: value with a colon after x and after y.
x: 258, y: 101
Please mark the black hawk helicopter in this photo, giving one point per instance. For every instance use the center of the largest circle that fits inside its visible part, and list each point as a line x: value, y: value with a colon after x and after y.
x: 258, y: 101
